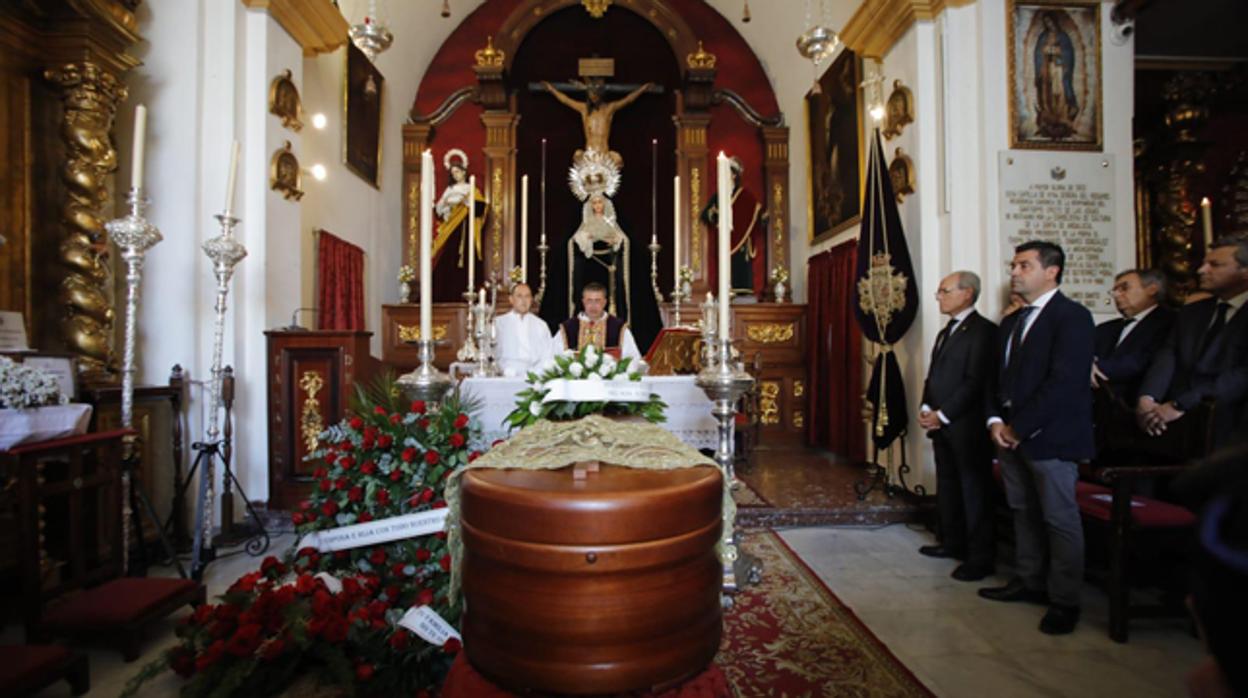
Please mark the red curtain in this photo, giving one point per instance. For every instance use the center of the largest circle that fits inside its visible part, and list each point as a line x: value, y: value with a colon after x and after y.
x: 834, y: 347
x: 339, y: 284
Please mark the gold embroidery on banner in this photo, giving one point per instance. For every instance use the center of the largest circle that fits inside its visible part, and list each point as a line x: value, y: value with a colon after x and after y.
x: 883, y: 292
x: 768, y: 403
x: 771, y: 333
x: 799, y: 388
x: 411, y: 333
x: 695, y: 214
x: 310, y: 423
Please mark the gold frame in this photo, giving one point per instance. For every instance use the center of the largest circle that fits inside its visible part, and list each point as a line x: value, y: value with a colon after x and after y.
x: 1096, y: 92
x: 289, y: 187
x: 905, y: 168
x: 375, y: 178
x: 904, y: 96
x: 814, y: 237
x: 289, y: 114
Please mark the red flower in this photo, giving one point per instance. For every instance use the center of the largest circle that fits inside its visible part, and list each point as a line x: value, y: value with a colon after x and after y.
x: 379, y: 410
x: 399, y: 640
x: 182, y: 661
x: 422, y: 555
x: 308, y: 551
x: 210, y: 656
x: 273, y: 649
x: 385, y: 441
x: 424, y: 423
x: 452, y: 646
x: 326, y: 485
x: 341, y: 483
x: 344, y: 446
x: 368, y: 467
x: 418, y: 406
x: 409, y: 454
x: 320, y: 473
x: 457, y: 439
x: 356, y: 423
x: 396, y: 418
x: 425, y: 597
x: 365, y: 517
x: 445, y: 563
x: 432, y: 457
x: 330, y: 458
x: 439, y: 505
x: 305, y: 584
x: 329, y: 508
x: 347, y: 462
x: 473, y: 456
x: 356, y: 494
x: 296, y: 518
x: 364, y: 672
x: 246, y: 583
x: 245, y: 641
x: 392, y: 593
x: 396, y: 475
x: 382, y: 496
x: 397, y: 569
x: 272, y: 565
x: 461, y: 421
x: 426, y: 494
x: 335, y: 629
x: 342, y: 554
x: 305, y: 504
x: 378, y: 556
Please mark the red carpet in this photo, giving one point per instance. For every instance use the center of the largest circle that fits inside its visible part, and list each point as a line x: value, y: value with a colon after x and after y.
x: 790, y: 636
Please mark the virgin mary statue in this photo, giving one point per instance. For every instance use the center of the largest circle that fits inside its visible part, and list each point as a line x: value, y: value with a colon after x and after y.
x: 599, y: 252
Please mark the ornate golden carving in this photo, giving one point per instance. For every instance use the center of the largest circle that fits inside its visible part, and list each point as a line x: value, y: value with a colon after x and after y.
x: 90, y: 96
x: 771, y: 332
x: 777, y: 213
x: 882, y: 293
x: 701, y: 59
x: 901, y: 172
x: 490, y: 57
x: 596, y: 8
x: 695, y: 218
x: 496, y: 225
x: 284, y: 174
x: 310, y: 423
x: 284, y: 101
x: 799, y: 388
x: 899, y: 110
x: 768, y: 402
x: 411, y: 333
x: 413, y: 223
x: 799, y: 419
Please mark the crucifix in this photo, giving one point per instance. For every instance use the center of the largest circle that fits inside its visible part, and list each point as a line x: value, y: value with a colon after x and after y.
x: 596, y: 114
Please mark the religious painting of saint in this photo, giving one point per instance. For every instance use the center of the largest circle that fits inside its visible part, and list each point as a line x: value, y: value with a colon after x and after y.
x: 834, y: 125
x: 362, y: 115
x: 1055, y: 75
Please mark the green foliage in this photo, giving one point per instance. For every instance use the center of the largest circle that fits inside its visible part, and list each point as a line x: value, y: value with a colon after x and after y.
x: 588, y: 363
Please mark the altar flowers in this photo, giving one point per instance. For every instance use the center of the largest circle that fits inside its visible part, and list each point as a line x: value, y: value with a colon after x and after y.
x: 575, y: 384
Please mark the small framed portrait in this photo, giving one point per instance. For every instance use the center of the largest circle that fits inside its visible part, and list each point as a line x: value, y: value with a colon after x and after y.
x: 284, y: 102
x: 899, y: 110
x: 901, y: 174
x: 362, y: 106
x: 835, y: 154
x: 284, y: 174
x: 1055, y: 74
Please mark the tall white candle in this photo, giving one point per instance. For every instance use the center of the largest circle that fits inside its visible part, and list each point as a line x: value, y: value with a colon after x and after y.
x: 472, y: 233
x: 524, y: 228
x: 1206, y: 219
x: 482, y: 298
x: 140, y: 135
x: 232, y: 180
x: 426, y: 245
x: 724, y: 269
x: 676, y: 230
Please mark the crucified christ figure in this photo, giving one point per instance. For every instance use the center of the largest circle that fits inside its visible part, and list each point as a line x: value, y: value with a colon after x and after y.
x: 596, y: 115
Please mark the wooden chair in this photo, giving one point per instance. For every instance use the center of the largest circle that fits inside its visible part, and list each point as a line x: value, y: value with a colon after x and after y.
x: 1127, y: 458
x: 72, y: 580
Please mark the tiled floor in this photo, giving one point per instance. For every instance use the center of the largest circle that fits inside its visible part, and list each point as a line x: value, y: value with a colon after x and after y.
x: 955, y: 642
x: 961, y: 645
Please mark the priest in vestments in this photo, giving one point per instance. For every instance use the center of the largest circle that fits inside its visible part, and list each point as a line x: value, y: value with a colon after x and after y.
x: 748, y: 243
x: 594, y: 326
x: 523, y: 338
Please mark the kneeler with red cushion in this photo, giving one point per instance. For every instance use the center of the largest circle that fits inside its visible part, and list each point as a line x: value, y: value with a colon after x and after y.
x: 27, y: 669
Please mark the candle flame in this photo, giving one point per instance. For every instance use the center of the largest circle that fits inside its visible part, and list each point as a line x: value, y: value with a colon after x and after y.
x: 1204, y: 201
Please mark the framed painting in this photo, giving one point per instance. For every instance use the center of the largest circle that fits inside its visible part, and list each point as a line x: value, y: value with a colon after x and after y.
x: 835, y: 148
x: 361, y: 143
x: 1055, y: 74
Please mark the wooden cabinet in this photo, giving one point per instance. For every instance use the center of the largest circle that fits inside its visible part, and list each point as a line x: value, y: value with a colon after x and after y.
x: 311, y: 375
x: 401, y: 324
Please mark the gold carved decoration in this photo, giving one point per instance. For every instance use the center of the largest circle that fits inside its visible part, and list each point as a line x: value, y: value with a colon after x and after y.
x: 799, y: 388
x: 777, y: 216
x: 799, y: 419
x: 284, y: 102
x: 695, y: 212
x: 316, y: 25
x: 496, y: 227
x: 413, y: 224
x: 596, y: 8
x: 310, y: 423
x: 882, y: 293
x: 701, y: 59
x: 878, y: 24
x: 411, y: 333
x: 768, y: 403
x: 90, y: 96
x: 901, y: 173
x: 490, y: 57
x: 284, y: 174
x: 899, y: 110
x: 771, y: 332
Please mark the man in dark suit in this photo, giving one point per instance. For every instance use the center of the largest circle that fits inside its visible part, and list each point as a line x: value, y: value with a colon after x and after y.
x: 1125, y: 346
x: 953, y: 415
x: 1206, y: 354
x: 1040, y: 419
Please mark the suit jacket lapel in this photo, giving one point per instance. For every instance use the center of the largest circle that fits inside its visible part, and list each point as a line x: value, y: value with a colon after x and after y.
x: 1194, y: 336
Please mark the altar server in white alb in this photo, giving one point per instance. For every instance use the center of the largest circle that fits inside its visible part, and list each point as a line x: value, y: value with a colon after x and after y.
x: 523, y: 338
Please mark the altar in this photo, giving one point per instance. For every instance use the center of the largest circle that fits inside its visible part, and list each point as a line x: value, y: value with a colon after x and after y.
x: 688, y: 409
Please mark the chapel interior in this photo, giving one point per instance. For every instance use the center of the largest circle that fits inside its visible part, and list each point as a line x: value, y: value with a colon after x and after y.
x: 224, y: 220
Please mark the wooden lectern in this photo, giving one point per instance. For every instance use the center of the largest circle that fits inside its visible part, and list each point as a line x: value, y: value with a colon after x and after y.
x: 311, y: 376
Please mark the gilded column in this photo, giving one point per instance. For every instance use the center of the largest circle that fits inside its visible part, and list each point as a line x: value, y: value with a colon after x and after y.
x: 415, y: 140
x: 498, y: 252
x: 691, y: 165
x: 776, y: 180
x: 89, y: 95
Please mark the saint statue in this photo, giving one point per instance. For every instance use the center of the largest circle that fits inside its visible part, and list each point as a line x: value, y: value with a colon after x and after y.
x: 747, y: 242
x: 598, y: 252
x: 452, y: 210
x: 1056, y: 103
x: 596, y: 115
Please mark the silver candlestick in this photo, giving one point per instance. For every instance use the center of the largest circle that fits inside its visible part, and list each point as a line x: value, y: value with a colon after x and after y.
x: 542, y: 249
x: 468, y: 351
x: 134, y: 236
x: 486, y: 336
x: 426, y: 382
x: 654, y: 248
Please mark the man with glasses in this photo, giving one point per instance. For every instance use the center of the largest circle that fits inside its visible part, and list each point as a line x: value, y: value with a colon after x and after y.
x: 1125, y: 346
x: 953, y: 416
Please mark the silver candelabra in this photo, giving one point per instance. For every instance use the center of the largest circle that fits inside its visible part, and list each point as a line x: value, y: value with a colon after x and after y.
x: 542, y: 249
x: 655, y: 248
x: 426, y: 382
x: 468, y: 351
x: 485, y: 336
x: 134, y: 236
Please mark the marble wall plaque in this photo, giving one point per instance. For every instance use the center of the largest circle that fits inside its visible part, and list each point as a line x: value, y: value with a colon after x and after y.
x: 1067, y: 198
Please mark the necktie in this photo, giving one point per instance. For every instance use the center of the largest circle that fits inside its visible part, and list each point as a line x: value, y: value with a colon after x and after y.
x: 1016, y: 336
x: 1122, y: 333
x: 944, y: 337
x: 1219, y: 321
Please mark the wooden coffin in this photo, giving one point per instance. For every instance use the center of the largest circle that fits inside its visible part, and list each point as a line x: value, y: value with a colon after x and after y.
x: 605, y: 584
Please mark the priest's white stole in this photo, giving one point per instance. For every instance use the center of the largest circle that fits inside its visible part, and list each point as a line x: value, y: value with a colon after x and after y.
x: 376, y: 532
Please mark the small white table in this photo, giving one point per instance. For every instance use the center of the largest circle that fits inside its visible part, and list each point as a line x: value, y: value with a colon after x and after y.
x: 688, y: 409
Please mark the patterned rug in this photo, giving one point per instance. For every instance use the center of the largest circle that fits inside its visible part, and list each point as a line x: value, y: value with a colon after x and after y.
x: 790, y: 636
x: 746, y: 496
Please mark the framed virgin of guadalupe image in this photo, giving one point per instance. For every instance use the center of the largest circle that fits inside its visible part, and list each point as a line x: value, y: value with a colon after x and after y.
x: 1055, y: 74
x: 835, y: 155
x: 361, y: 144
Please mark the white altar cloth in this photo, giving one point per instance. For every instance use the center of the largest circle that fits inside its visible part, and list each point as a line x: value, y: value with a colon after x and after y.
x: 688, y: 409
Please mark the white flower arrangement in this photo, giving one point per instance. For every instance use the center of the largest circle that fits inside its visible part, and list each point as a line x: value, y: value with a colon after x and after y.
x: 588, y: 364
x: 407, y: 274
x: 24, y: 386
